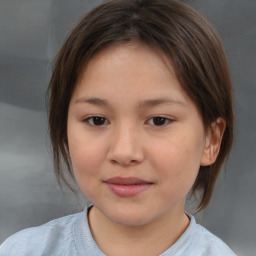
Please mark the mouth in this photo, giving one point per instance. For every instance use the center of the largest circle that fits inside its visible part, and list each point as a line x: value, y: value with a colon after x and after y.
x: 127, y: 187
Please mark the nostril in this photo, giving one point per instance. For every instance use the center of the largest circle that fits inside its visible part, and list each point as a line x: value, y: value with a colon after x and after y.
x: 125, y: 151
x: 124, y: 162
x: 127, y: 160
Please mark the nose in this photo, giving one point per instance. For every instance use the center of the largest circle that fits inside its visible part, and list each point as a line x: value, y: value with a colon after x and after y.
x: 126, y: 147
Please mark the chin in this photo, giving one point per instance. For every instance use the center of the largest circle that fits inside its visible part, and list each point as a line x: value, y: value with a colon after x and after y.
x: 131, y: 218
x: 129, y: 221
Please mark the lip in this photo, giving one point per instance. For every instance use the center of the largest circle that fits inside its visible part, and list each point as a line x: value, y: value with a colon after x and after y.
x: 127, y: 187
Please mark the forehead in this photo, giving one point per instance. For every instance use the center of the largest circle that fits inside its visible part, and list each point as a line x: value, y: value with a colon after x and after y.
x: 109, y: 55
x: 125, y: 60
x: 130, y: 71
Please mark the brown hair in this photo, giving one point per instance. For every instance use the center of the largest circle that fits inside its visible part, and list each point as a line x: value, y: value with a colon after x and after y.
x: 182, y: 34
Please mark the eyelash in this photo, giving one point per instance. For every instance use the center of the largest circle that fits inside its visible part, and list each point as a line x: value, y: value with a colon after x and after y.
x: 162, y: 118
x: 154, y: 118
x: 87, y: 120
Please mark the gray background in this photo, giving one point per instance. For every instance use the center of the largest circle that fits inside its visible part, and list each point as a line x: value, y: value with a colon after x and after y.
x: 31, y: 31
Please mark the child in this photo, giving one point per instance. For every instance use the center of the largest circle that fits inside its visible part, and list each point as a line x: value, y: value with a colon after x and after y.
x: 141, y: 114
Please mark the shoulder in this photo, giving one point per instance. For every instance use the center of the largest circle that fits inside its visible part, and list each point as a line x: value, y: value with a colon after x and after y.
x: 206, y: 243
x: 198, y: 241
x: 52, y: 238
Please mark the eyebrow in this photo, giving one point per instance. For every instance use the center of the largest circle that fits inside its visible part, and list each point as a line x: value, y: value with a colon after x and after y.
x: 160, y: 101
x: 93, y: 101
x: 142, y: 104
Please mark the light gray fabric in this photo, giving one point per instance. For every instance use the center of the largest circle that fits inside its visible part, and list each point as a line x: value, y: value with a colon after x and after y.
x: 71, y: 235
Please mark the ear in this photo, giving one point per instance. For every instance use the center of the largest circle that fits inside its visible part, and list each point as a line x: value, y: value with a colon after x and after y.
x: 213, y: 140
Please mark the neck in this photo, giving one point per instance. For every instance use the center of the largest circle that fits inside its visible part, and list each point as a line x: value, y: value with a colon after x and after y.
x: 150, y: 239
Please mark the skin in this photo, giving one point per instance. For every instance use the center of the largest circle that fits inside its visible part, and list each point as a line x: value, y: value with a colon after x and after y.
x: 129, y: 143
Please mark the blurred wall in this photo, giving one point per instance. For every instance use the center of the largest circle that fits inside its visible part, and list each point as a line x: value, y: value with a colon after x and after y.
x: 31, y: 32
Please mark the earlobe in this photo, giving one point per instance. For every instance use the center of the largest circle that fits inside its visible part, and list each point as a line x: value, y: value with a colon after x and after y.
x: 213, y: 141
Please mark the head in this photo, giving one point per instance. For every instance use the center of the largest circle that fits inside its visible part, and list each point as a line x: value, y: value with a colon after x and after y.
x: 175, y: 31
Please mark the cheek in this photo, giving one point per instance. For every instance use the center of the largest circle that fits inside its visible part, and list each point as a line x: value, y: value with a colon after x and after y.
x: 84, y: 160
x: 87, y: 159
x: 177, y: 160
x: 87, y: 154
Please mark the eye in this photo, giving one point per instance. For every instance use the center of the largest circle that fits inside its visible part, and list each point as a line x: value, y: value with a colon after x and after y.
x: 159, y: 121
x: 96, y: 121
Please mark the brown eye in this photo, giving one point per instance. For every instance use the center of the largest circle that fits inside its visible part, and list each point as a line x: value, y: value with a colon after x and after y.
x: 96, y: 120
x: 159, y: 121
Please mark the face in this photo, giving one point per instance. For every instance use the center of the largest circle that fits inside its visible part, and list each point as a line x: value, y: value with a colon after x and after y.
x: 136, y: 140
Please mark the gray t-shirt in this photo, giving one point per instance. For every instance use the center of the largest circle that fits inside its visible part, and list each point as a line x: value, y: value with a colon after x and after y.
x: 71, y: 235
